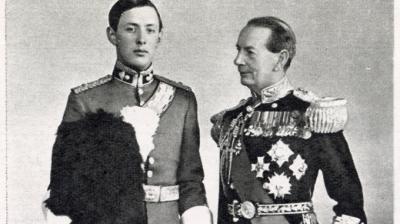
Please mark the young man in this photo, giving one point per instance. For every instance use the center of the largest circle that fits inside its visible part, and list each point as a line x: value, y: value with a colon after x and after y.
x: 127, y: 150
x: 274, y: 143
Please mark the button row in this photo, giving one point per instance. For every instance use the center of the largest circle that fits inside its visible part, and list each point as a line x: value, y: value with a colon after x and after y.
x: 149, y: 172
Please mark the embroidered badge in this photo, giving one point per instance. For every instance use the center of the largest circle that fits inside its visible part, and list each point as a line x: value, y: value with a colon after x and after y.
x: 280, y: 153
x: 298, y: 167
x: 260, y: 166
x: 278, y: 185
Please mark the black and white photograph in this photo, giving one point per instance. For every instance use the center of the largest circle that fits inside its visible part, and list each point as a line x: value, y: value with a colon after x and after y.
x: 199, y: 112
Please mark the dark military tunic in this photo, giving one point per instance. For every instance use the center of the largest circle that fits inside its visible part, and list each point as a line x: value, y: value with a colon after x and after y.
x: 272, y: 147
x: 175, y: 159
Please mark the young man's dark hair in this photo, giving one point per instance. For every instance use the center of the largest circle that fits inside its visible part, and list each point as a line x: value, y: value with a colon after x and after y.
x: 124, y: 5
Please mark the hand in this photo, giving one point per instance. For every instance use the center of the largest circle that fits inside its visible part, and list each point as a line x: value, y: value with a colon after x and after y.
x: 346, y: 219
x: 197, y: 215
x: 57, y: 219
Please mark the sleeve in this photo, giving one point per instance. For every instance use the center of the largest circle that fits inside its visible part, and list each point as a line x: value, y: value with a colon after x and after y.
x: 190, y: 171
x: 216, y: 120
x: 340, y: 177
x: 75, y: 109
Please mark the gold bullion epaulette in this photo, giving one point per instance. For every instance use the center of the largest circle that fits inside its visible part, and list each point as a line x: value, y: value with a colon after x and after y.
x: 325, y: 114
x: 90, y: 85
x: 173, y: 83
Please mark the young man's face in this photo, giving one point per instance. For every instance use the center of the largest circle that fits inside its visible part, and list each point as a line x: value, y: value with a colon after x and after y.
x: 137, y: 37
x: 254, y: 61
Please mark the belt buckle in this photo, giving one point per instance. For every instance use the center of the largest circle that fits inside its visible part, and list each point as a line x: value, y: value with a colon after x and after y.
x: 152, y: 193
x: 248, y: 210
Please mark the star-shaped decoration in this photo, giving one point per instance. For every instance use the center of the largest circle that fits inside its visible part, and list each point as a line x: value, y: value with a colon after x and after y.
x: 298, y: 167
x: 280, y: 152
x: 260, y: 166
x: 278, y: 185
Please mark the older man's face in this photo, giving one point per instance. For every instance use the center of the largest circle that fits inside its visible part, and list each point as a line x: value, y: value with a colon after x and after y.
x: 254, y: 61
x: 137, y: 37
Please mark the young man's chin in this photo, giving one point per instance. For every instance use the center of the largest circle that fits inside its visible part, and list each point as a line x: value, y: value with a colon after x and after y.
x: 139, y: 65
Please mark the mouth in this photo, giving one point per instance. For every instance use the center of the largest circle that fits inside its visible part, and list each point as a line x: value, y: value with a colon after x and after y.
x: 243, y: 70
x: 242, y: 73
x: 140, y: 52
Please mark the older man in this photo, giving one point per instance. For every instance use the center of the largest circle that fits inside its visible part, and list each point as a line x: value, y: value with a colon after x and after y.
x: 274, y: 143
x: 127, y: 150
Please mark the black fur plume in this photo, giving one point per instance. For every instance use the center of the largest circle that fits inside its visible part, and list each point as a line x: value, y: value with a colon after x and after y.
x: 96, y: 175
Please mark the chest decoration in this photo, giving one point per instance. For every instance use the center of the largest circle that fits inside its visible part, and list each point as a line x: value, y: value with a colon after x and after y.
x: 278, y: 182
x: 278, y: 185
x: 278, y: 123
x: 280, y: 153
x: 260, y: 166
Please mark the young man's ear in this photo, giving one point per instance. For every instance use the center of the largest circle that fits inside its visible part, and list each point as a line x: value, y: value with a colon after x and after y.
x: 111, y: 35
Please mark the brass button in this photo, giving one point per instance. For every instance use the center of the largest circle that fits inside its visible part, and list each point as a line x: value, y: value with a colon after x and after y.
x: 249, y: 109
x: 149, y: 174
x: 151, y: 160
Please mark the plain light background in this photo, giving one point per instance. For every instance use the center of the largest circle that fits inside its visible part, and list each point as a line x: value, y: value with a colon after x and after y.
x: 344, y: 49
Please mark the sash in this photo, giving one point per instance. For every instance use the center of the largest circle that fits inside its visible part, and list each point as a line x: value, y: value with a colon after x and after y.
x: 250, y: 189
x: 246, y: 183
x: 161, y: 98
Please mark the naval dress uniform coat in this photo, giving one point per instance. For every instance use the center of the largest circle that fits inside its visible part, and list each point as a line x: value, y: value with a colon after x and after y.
x: 174, y: 161
x: 272, y: 147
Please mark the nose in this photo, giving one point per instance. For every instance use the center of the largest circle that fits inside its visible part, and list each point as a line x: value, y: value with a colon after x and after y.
x: 238, y: 59
x: 141, y: 37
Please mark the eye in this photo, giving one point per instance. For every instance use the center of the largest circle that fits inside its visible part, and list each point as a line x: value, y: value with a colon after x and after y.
x: 130, y: 29
x: 151, y: 30
x: 250, y: 52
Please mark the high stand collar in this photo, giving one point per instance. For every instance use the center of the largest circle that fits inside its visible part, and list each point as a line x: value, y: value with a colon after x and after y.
x: 130, y: 76
x: 274, y: 92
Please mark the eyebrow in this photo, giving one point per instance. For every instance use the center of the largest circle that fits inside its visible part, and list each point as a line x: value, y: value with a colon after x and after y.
x: 245, y: 47
x: 135, y: 24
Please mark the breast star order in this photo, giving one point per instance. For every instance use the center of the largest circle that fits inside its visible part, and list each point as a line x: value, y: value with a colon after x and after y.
x: 298, y: 167
x: 278, y: 185
x: 280, y: 152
